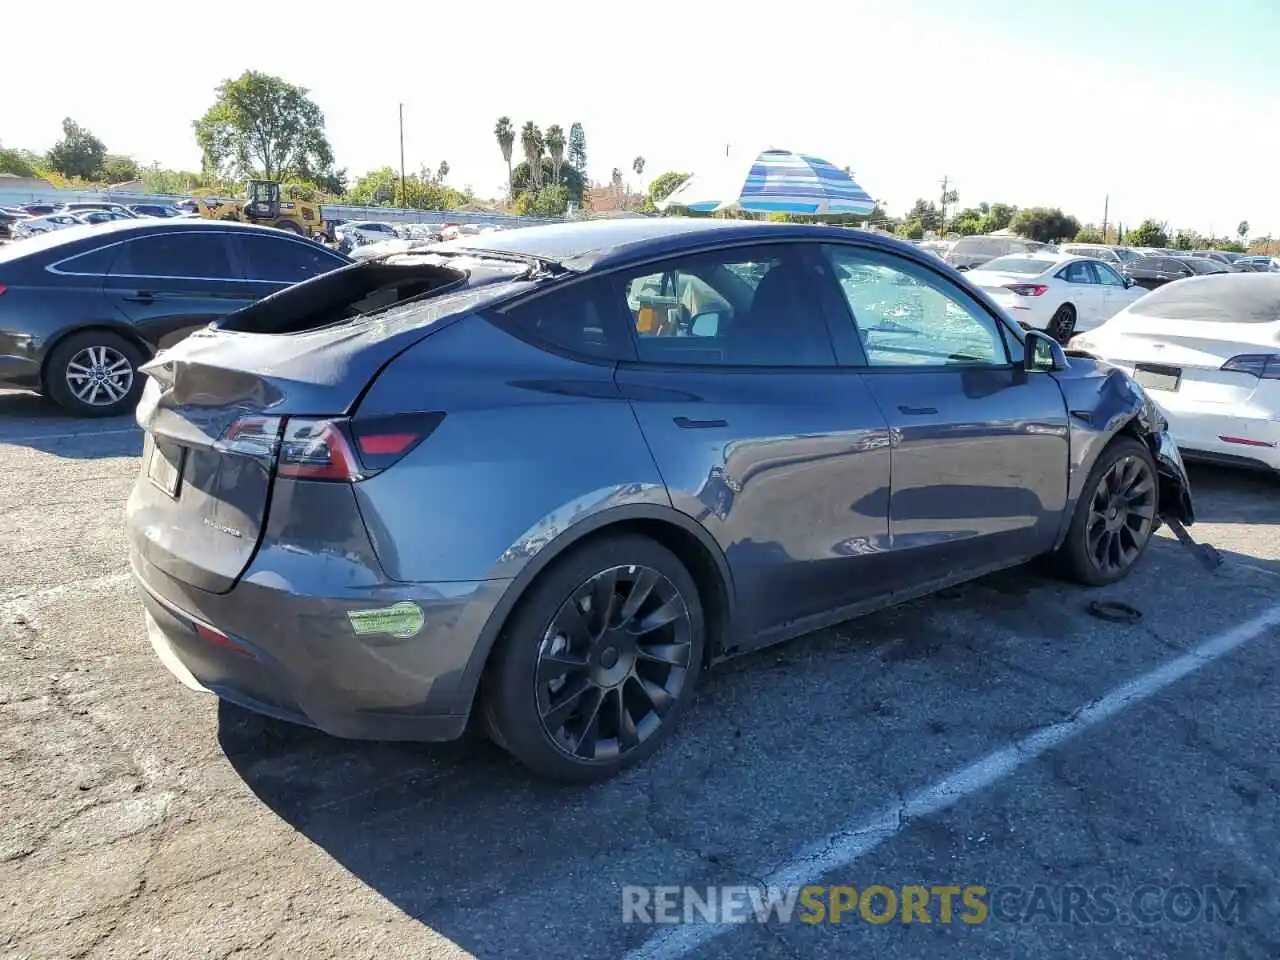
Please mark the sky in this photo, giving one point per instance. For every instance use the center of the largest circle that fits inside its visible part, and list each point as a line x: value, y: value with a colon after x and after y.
x: 1168, y: 108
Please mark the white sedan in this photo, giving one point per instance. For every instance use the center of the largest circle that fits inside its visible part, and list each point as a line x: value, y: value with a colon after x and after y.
x: 34, y: 225
x: 1207, y: 351
x: 1060, y: 295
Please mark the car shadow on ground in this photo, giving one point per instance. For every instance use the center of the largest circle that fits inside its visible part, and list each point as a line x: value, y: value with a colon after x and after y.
x: 1238, y: 495
x: 30, y: 420
x: 462, y: 839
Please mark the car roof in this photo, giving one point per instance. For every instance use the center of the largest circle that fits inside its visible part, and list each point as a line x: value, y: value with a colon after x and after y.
x: 585, y: 245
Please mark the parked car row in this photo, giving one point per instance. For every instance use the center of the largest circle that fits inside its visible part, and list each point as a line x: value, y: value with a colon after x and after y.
x: 82, y: 307
x: 34, y: 218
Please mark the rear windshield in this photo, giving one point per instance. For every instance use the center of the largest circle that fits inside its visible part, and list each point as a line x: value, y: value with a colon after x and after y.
x: 1222, y: 298
x: 1020, y: 265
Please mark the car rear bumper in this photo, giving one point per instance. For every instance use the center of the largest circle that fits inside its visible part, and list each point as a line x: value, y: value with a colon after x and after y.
x: 1201, y: 428
x: 299, y: 657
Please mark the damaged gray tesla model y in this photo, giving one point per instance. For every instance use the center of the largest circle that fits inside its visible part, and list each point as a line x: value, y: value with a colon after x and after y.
x: 549, y: 475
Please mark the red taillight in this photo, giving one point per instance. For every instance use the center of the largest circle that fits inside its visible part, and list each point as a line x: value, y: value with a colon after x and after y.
x: 317, y: 450
x: 1264, y: 366
x: 330, y: 448
x: 3, y: 288
x: 222, y: 640
x: 1027, y: 289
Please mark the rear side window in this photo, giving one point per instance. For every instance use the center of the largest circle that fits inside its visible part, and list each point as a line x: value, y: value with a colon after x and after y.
x: 576, y: 319
x: 95, y: 263
x: 1226, y: 298
x: 277, y: 260
x: 188, y: 256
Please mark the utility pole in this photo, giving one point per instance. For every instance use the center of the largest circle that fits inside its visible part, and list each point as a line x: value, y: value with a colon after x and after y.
x: 726, y: 149
x: 404, y: 197
x: 1106, y: 208
x: 943, y: 225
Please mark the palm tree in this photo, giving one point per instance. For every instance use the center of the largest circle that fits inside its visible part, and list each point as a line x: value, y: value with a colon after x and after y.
x: 555, y: 147
x: 506, y: 135
x: 442, y: 171
x: 532, y: 143
x: 616, y: 179
x: 638, y: 165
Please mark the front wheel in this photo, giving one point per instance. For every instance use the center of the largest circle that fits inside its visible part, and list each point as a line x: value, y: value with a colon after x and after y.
x: 95, y: 374
x: 598, y: 662
x: 1115, y: 516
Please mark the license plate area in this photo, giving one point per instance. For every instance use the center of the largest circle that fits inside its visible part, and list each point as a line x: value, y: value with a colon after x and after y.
x: 1156, y: 377
x: 165, y: 467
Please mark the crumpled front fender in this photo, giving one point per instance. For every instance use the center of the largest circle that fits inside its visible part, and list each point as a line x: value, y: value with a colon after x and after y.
x: 1103, y: 401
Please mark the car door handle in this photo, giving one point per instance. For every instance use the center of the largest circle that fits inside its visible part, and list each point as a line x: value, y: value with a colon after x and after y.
x: 142, y: 296
x: 686, y: 424
x: 916, y: 411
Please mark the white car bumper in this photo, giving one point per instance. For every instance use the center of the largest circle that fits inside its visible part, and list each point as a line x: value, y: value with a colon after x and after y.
x: 1033, y: 312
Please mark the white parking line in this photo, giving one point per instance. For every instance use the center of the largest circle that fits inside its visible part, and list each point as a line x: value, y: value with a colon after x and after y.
x: 844, y: 847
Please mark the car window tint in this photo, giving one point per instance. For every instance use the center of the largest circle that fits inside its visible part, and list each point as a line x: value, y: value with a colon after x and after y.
x: 195, y: 256
x: 1078, y: 272
x: 1106, y: 275
x: 735, y: 307
x: 904, y: 319
x: 278, y: 260
x: 574, y: 318
x: 95, y: 262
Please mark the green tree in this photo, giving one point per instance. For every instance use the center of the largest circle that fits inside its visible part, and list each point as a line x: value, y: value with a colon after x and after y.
x: 555, y: 147
x: 78, y: 154
x: 1185, y: 240
x: 1231, y: 246
x: 911, y: 229
x: 117, y: 169
x: 261, y: 126
x: 532, y: 144
x: 638, y: 166
x: 661, y: 187
x: 1149, y: 233
x: 1091, y: 234
x: 1242, y: 231
x: 382, y: 187
x: 442, y: 171
x: 925, y: 213
x: 549, y: 201
x: 578, y: 149
x: 570, y: 179
x: 1000, y: 216
x: 505, y: 134
x: 18, y: 163
x: 1045, y: 224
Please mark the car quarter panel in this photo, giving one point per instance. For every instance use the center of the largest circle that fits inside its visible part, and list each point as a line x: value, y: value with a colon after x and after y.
x: 531, y: 444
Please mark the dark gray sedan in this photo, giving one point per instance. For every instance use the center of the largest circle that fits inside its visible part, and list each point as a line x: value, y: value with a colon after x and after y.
x: 550, y: 475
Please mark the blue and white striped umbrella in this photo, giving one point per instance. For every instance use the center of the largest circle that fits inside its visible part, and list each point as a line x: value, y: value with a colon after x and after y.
x: 777, y: 181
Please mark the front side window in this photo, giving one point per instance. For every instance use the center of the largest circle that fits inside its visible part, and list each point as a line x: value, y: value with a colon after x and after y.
x: 190, y: 256
x: 740, y: 307
x: 904, y: 318
x: 1107, y: 276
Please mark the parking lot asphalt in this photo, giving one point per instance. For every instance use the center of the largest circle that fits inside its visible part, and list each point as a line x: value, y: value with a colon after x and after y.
x: 141, y: 819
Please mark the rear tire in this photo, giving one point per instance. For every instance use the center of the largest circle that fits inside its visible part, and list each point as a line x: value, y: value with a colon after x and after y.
x: 1115, y: 516
x: 289, y: 226
x: 95, y: 374
x: 1062, y: 325
x: 582, y: 684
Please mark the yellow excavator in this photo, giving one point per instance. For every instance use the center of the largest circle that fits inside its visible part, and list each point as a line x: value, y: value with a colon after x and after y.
x: 264, y: 207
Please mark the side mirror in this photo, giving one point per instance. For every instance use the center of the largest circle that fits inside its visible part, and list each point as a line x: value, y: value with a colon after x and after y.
x: 1129, y: 282
x: 1042, y: 353
x: 704, y: 325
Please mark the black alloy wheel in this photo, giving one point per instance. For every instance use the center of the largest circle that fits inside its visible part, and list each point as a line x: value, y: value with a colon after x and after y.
x: 1122, y: 515
x: 1115, y: 517
x: 598, y: 661
x: 613, y: 662
x: 1063, y: 323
